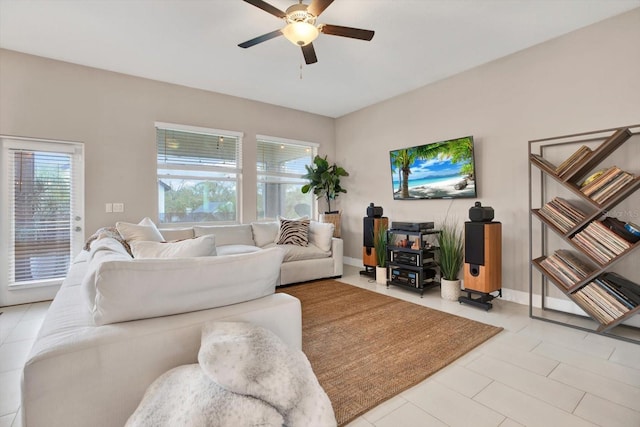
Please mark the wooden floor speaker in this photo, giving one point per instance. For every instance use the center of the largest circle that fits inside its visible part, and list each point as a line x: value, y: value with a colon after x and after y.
x: 483, y: 256
x: 372, y: 226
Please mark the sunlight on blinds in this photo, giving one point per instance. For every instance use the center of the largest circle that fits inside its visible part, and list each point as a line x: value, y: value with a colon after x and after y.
x: 41, y: 215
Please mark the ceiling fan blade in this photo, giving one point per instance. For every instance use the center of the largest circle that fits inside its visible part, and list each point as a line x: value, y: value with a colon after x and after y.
x: 260, y: 39
x: 318, y: 6
x: 309, y: 54
x: 354, y: 33
x: 267, y: 8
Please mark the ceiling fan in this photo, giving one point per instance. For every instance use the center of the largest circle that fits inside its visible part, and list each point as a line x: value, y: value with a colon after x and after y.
x: 301, y: 28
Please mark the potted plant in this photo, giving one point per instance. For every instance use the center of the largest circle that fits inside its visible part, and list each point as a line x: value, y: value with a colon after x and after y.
x: 324, y: 181
x: 380, y: 246
x: 451, y: 258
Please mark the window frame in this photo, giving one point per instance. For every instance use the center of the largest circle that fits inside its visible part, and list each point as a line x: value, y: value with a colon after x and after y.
x: 238, y: 170
x: 77, y: 223
x: 278, y: 140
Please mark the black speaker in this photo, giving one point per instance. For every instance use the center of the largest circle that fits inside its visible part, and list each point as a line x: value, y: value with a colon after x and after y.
x: 474, y: 243
x: 371, y: 227
x: 483, y: 256
x: 479, y: 213
x: 374, y: 211
x: 368, y: 232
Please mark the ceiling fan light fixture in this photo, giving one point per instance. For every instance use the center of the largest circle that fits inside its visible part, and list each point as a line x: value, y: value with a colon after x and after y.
x: 300, y: 33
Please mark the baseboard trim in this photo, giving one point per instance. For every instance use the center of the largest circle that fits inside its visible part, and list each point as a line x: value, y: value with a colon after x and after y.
x: 354, y: 262
x: 521, y: 297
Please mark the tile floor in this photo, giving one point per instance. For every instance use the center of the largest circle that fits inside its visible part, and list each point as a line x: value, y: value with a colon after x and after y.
x: 533, y: 373
x: 19, y: 326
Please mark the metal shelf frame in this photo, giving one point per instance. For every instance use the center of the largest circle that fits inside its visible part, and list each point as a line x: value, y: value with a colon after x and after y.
x: 538, y: 146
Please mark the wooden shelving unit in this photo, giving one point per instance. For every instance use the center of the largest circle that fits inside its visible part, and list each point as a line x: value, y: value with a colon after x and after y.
x: 607, y: 298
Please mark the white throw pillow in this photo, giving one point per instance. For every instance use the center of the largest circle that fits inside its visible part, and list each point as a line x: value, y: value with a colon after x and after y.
x: 172, y: 234
x: 145, y: 230
x: 265, y: 232
x: 320, y: 234
x: 236, y: 249
x: 200, y: 246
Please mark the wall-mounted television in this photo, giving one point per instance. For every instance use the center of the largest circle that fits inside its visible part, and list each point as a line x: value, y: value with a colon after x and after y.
x: 439, y: 170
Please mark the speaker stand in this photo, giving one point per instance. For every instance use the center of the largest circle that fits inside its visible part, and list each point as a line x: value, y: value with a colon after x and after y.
x: 483, y: 299
x: 368, y: 271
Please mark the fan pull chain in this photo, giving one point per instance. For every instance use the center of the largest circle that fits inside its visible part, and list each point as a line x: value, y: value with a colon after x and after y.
x: 300, y: 70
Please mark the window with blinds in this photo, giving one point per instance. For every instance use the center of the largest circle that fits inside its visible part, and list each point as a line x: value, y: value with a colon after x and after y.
x: 44, y: 195
x: 199, y: 172
x: 280, y: 165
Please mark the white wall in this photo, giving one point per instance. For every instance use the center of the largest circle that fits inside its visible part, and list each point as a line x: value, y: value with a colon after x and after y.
x: 114, y: 115
x: 583, y: 81
x: 586, y: 80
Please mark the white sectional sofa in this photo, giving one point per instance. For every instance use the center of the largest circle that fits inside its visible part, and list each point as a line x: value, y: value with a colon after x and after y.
x: 322, y: 258
x: 118, y: 323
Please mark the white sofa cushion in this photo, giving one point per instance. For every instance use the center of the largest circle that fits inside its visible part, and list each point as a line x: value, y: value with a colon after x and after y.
x: 227, y: 234
x: 299, y: 253
x: 320, y: 234
x: 102, y: 250
x: 236, y: 249
x: 265, y: 233
x: 144, y: 230
x: 140, y: 289
x: 200, y: 246
x: 172, y: 234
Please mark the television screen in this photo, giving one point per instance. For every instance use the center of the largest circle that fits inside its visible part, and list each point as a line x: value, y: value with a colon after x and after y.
x: 440, y: 170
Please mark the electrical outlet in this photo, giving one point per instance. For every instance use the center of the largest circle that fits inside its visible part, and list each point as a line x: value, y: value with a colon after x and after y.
x: 118, y: 207
x: 108, y: 207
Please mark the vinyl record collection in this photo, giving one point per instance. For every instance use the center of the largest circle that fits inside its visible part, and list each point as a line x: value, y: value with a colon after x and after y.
x: 606, y: 184
x: 567, y: 267
x: 600, y: 243
x: 608, y: 297
x: 562, y: 214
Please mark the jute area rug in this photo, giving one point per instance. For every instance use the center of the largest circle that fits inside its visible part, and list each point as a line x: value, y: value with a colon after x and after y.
x: 366, y: 347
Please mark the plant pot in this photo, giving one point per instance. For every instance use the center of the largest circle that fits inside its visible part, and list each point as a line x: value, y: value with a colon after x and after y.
x: 333, y: 218
x: 450, y: 289
x: 381, y: 275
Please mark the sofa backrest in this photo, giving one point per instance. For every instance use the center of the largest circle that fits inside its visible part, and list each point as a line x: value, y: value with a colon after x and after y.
x: 227, y: 234
x: 260, y: 234
x: 126, y: 289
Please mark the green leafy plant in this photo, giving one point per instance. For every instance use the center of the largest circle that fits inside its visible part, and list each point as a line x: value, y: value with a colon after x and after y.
x: 380, y: 245
x: 324, y: 180
x: 451, y: 250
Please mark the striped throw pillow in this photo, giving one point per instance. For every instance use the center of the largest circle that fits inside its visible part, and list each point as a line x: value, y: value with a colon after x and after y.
x: 293, y: 232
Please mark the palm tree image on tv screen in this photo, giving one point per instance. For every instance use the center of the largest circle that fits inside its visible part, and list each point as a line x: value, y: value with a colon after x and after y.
x: 440, y: 170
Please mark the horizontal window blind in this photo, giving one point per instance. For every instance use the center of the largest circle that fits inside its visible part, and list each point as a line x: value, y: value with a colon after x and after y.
x: 278, y: 158
x: 199, y: 173
x: 176, y: 147
x: 41, y: 215
x: 280, y: 165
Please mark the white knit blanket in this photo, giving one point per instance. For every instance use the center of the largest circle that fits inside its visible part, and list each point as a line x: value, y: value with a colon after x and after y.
x: 245, y: 376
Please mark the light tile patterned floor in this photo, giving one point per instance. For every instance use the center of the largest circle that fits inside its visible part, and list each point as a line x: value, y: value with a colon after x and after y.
x: 532, y: 374
x: 18, y: 328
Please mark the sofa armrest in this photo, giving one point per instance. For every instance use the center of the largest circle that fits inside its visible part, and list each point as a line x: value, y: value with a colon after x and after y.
x: 337, y: 253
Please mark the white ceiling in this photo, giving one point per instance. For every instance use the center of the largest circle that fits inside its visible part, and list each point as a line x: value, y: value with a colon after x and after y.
x: 194, y: 42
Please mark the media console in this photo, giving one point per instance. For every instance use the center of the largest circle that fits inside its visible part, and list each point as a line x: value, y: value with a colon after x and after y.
x: 411, y: 257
